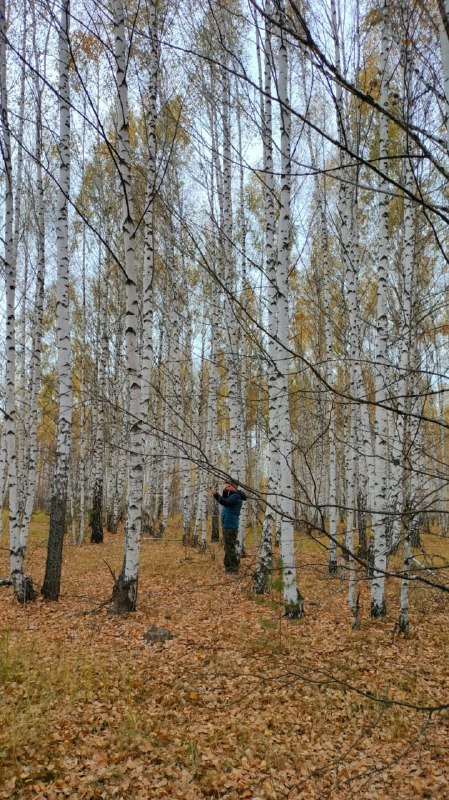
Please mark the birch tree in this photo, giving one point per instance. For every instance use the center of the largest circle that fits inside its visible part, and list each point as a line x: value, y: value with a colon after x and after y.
x: 293, y: 601
x: 382, y: 506
x: 264, y: 567
x: 125, y: 589
x: 29, y: 487
x: 23, y: 587
x: 52, y: 579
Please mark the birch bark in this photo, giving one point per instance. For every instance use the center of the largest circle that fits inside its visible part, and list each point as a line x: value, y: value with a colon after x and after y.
x: 52, y: 579
x: 83, y: 432
x: 293, y: 601
x: 406, y: 427
x: 149, y: 240
x: 3, y: 475
x: 125, y: 589
x: 264, y: 567
x: 236, y: 454
x: 381, y: 504
x: 213, y: 417
x: 320, y: 194
x: 22, y: 386
x: 22, y: 585
x: 360, y: 426
x: 37, y: 317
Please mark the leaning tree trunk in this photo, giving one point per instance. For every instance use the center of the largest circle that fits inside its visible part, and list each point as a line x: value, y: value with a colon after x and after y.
x: 125, y: 589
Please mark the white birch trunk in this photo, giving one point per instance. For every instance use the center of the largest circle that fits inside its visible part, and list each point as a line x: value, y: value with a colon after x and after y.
x: 185, y: 468
x: 168, y: 450
x: 35, y: 363
x: 406, y: 427
x: 22, y: 384
x: 213, y: 416
x: 83, y: 432
x: 293, y: 601
x: 3, y: 476
x: 264, y: 566
x: 236, y: 453
x: 381, y: 503
x: 360, y: 426
x: 149, y: 244
x: 52, y: 580
x: 125, y: 590
x: 243, y: 360
x: 22, y: 586
x: 331, y: 482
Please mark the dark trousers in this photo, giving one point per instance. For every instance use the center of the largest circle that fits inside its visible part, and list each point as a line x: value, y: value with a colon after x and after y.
x: 231, y: 557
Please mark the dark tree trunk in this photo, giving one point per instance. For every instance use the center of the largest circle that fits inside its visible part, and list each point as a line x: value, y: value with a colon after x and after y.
x: 361, y: 512
x: 111, y: 522
x: 414, y: 532
x: 24, y: 591
x: 52, y: 582
x: 370, y: 560
x: 146, y: 522
x: 215, y: 524
x: 333, y: 567
x: 124, y: 596
x: 186, y: 533
x: 96, y: 516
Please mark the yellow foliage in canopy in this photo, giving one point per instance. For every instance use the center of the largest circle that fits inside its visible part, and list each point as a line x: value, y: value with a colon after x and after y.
x: 172, y: 125
x: 85, y: 47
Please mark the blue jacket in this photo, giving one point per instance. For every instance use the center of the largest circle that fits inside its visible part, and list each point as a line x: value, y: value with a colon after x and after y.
x: 232, y: 505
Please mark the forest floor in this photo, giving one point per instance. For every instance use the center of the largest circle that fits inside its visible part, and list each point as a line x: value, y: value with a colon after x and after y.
x: 240, y: 703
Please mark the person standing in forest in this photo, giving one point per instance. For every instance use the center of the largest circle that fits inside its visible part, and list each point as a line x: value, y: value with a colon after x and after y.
x: 231, y: 500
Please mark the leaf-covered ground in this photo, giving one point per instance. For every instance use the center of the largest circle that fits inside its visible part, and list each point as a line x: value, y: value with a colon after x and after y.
x: 239, y: 704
